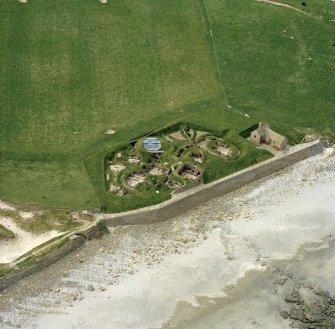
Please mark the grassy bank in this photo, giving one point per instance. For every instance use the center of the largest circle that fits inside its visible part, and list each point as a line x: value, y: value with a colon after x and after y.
x: 61, y: 221
x: 6, y: 233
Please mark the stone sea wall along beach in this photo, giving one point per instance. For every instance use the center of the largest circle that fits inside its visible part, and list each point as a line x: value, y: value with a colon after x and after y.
x: 184, y: 201
x: 74, y: 241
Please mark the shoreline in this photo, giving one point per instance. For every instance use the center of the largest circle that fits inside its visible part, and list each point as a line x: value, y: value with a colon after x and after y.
x: 180, y: 202
x: 202, y: 255
x: 259, y: 292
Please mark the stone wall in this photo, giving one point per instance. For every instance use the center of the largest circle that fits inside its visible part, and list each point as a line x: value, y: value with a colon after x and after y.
x: 74, y: 240
x: 189, y: 186
x: 184, y: 201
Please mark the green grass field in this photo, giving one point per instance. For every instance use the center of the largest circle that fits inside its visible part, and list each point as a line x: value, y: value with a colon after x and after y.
x: 6, y: 233
x: 72, y: 69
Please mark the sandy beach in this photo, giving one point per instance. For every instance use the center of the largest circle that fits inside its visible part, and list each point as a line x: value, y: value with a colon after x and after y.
x: 261, y: 257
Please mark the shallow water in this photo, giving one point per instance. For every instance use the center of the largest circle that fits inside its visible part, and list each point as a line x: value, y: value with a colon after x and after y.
x: 254, y: 303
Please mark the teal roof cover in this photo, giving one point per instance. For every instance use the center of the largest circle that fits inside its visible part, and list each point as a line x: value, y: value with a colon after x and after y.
x: 152, y: 144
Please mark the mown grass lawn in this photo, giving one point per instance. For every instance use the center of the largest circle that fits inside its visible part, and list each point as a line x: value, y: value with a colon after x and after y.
x: 278, y: 64
x: 71, y: 70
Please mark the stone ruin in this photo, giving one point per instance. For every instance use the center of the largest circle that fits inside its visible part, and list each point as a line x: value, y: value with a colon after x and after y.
x: 135, y: 180
x: 224, y: 150
x: 189, y: 171
x: 197, y: 156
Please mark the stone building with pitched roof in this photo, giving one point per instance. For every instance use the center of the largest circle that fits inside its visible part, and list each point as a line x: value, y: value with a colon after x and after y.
x: 264, y: 135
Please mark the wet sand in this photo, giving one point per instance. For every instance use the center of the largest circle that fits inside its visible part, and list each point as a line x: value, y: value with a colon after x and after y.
x: 258, y: 299
x: 230, y: 263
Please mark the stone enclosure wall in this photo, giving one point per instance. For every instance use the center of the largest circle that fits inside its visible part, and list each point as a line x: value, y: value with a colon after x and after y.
x: 186, y: 200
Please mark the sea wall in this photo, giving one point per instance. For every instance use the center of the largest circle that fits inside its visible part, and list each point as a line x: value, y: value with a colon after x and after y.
x: 72, y: 242
x: 186, y: 200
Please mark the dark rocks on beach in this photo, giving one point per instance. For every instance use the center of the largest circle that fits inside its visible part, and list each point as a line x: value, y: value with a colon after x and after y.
x: 284, y: 314
x: 315, y: 312
x: 281, y: 280
x: 294, y: 297
x: 297, y: 313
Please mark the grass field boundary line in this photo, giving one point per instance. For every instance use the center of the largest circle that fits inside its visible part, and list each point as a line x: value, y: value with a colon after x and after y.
x: 155, y: 123
x: 211, y: 36
x: 96, y: 187
x: 216, y: 58
x: 285, y: 5
x: 96, y: 193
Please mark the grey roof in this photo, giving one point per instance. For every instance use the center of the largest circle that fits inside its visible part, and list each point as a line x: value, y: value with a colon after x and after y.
x: 152, y: 144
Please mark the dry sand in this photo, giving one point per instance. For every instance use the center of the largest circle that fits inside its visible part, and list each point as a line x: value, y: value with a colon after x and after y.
x: 110, y: 132
x: 156, y: 171
x: 4, y: 205
x: 10, y: 249
x: 178, y: 136
x: 228, y: 264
